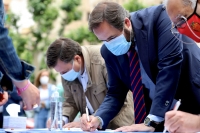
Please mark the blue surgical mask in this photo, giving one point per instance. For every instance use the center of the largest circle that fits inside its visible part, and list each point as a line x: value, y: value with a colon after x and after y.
x: 118, y: 45
x: 71, y: 75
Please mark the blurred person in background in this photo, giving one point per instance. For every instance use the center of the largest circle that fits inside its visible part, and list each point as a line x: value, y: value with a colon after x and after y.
x: 46, y: 89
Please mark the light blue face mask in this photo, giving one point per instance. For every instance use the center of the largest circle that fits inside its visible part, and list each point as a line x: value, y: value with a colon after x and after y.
x: 71, y: 75
x: 118, y: 45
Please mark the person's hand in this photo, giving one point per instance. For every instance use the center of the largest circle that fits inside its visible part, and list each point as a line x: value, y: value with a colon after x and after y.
x: 178, y: 121
x: 48, y: 124
x: 72, y: 125
x: 30, y: 96
x: 5, y: 98
x: 91, y: 125
x: 135, y: 128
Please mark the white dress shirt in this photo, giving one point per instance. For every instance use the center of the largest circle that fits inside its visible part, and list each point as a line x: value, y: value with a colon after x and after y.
x: 83, y: 80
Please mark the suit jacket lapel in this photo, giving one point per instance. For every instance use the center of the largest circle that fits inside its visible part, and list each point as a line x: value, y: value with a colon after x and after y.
x: 142, y: 45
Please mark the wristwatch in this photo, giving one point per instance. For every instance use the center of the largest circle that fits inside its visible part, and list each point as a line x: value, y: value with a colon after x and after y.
x: 150, y: 123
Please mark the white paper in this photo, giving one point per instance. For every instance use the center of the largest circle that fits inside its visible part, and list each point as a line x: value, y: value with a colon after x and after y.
x: 13, y: 109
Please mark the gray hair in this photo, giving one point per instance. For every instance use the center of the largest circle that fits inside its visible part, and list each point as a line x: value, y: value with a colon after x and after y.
x: 191, y: 3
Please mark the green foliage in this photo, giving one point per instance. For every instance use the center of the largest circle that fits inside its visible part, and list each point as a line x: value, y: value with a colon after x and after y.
x: 83, y: 33
x: 38, y: 7
x: 72, y: 16
x: 133, y: 5
x: 19, y: 41
x: 71, y: 13
x: 43, y: 14
x: 70, y: 5
x: 12, y: 19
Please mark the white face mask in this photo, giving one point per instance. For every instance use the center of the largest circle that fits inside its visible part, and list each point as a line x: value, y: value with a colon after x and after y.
x: 119, y: 45
x: 44, y: 80
x: 72, y: 74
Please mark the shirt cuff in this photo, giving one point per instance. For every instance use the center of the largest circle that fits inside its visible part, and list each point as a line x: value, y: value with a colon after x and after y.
x: 100, y: 120
x: 155, y: 118
x: 65, y: 119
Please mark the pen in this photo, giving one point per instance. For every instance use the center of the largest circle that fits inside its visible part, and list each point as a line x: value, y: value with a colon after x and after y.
x: 87, y: 114
x: 178, y: 103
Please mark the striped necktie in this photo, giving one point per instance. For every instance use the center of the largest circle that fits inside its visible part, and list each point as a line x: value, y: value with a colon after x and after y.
x: 137, y: 87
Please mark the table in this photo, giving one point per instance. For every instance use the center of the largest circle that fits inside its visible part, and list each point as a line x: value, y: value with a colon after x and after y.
x: 56, y: 131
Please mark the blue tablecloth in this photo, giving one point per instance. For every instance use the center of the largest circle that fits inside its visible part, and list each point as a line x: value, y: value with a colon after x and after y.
x: 47, y: 131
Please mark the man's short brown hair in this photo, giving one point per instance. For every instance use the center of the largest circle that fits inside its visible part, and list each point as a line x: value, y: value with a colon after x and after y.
x: 63, y: 49
x: 111, y: 12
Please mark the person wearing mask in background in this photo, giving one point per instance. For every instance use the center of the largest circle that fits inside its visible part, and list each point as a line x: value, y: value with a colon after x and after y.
x: 185, y: 17
x: 84, y: 79
x: 42, y: 113
x: 140, y: 52
x: 18, y: 71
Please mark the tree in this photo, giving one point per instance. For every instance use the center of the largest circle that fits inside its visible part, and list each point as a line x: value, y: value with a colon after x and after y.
x: 133, y: 5
x: 71, y: 13
x: 44, y: 14
x: 83, y: 33
x: 32, y: 46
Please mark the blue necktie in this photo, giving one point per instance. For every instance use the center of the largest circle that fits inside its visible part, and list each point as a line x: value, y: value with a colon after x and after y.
x: 137, y: 87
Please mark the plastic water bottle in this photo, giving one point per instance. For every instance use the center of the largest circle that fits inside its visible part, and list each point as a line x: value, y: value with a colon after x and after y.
x: 56, y: 111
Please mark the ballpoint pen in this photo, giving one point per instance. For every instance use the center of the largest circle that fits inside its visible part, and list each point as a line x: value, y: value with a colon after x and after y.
x: 178, y: 103
x: 87, y: 114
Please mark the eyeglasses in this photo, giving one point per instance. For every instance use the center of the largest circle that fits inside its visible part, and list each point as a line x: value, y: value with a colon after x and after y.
x: 180, y: 24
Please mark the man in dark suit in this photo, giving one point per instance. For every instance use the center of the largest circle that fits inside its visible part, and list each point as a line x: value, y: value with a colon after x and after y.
x: 185, y: 17
x: 169, y: 70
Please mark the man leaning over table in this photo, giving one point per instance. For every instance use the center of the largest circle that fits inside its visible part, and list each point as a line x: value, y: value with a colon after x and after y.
x: 185, y: 17
x: 84, y: 79
x: 169, y: 69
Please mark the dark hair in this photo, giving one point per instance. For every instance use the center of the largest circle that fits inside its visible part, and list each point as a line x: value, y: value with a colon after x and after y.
x: 111, y: 12
x: 63, y: 49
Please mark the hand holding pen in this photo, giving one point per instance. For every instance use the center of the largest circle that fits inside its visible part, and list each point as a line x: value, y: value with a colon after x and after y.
x: 90, y: 122
x: 178, y: 103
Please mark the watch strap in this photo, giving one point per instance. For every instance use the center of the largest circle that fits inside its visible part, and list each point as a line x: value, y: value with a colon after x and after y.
x: 153, y: 124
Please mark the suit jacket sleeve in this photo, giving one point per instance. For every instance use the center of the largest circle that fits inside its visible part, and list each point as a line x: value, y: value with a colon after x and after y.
x: 117, y: 90
x: 169, y: 59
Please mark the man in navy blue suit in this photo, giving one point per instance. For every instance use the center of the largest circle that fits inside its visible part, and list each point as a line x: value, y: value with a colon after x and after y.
x: 170, y: 70
x: 185, y: 17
